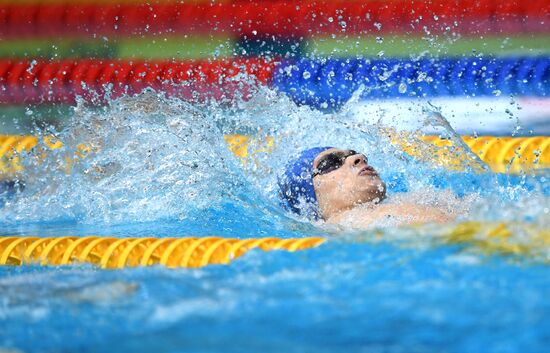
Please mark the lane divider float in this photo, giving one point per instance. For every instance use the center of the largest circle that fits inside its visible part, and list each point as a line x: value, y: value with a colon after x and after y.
x: 42, y: 81
x: 323, y: 84
x: 330, y: 83
x: 285, y: 18
x: 194, y: 252
x: 502, y: 154
x: 111, y: 252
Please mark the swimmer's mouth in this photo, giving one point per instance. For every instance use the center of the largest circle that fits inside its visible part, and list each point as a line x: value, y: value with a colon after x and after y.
x: 368, y: 170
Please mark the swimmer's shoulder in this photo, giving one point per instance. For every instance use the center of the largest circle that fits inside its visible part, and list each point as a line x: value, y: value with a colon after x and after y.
x: 411, y: 213
x: 366, y: 215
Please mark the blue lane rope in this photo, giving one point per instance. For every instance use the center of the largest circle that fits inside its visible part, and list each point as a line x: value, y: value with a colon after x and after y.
x: 329, y: 83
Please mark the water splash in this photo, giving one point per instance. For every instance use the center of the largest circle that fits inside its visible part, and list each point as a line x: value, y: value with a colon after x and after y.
x: 147, y: 157
x: 150, y: 158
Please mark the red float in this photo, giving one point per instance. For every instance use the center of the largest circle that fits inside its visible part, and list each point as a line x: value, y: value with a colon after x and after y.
x: 278, y: 17
x: 26, y: 81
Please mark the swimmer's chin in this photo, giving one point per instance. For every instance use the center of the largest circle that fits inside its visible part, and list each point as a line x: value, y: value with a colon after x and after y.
x: 375, y: 196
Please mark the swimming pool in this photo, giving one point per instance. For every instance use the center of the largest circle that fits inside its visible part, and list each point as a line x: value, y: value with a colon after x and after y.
x: 133, y: 144
x: 161, y: 167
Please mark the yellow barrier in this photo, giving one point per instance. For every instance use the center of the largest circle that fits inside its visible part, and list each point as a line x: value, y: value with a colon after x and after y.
x: 499, y: 238
x: 501, y: 154
x: 241, y: 145
x: 505, y: 154
x: 12, y: 146
x: 109, y: 252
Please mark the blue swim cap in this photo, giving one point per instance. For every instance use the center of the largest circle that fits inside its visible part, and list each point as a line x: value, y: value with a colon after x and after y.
x: 296, y: 184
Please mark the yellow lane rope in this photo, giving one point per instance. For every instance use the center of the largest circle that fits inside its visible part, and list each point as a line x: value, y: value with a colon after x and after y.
x: 521, y: 239
x: 501, y: 154
x: 192, y: 252
x: 108, y: 252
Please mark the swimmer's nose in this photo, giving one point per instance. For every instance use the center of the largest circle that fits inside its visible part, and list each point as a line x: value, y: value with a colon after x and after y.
x: 358, y: 158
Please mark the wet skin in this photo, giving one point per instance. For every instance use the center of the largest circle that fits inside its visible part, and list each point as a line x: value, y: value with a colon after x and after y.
x: 352, y: 195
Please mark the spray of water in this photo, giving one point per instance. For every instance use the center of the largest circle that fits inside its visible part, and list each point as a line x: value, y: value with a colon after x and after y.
x: 150, y: 158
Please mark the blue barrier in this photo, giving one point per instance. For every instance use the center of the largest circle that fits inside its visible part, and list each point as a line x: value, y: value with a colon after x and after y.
x: 327, y: 84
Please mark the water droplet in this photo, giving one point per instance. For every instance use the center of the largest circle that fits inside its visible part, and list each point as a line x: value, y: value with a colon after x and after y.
x: 402, y: 87
x: 330, y: 19
x: 379, y: 40
x: 497, y: 92
x: 33, y: 63
x: 378, y: 25
x: 422, y: 76
x: 306, y: 75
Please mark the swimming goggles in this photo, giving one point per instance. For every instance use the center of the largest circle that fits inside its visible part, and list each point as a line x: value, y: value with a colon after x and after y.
x: 331, y: 162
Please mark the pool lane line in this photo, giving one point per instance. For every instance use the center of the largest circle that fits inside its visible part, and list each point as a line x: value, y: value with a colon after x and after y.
x: 323, y: 84
x: 265, y: 18
x: 329, y: 84
x: 28, y: 81
x: 510, y: 155
x: 486, y: 238
x: 111, y: 252
x: 84, y: 2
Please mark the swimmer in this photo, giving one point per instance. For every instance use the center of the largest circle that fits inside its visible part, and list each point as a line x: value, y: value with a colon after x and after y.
x: 340, y: 187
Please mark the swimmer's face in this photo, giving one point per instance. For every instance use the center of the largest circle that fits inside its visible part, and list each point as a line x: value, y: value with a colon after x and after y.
x: 343, y: 179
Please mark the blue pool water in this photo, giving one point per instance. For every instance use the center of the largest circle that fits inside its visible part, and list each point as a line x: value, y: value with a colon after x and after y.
x: 367, y: 297
x: 161, y: 168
